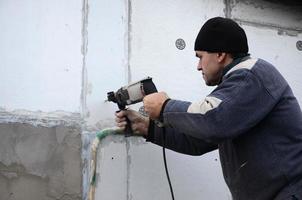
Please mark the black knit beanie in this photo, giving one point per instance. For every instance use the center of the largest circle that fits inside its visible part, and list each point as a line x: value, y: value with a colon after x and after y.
x: 220, y: 34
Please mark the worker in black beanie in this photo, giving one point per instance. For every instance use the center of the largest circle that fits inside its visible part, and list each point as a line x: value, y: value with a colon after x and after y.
x: 219, y: 35
x: 243, y: 117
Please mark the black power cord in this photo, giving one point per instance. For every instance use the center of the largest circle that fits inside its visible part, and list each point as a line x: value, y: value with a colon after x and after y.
x: 143, y: 112
x: 165, y: 163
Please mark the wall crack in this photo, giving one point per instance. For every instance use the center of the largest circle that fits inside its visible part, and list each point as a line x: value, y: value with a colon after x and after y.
x: 84, y: 50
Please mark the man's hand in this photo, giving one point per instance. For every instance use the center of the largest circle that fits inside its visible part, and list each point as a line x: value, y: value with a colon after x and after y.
x: 139, y: 123
x: 153, y: 104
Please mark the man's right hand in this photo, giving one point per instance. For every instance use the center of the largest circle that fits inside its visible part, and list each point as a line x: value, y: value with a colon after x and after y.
x: 139, y: 123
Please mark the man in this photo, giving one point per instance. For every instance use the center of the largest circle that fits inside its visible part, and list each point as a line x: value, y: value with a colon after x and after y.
x: 252, y: 117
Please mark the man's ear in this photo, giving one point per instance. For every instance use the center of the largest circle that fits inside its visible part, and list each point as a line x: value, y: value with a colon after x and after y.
x: 221, y: 56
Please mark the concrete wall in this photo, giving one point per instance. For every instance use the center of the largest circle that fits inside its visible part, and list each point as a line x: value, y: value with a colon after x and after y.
x: 40, y: 162
x: 60, y: 58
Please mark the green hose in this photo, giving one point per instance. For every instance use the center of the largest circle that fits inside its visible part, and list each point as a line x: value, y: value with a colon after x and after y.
x: 108, y: 131
x: 94, y: 148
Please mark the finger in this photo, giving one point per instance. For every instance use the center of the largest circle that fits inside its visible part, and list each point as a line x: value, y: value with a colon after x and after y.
x: 135, y: 128
x: 164, y: 94
x: 120, y: 113
x: 145, y: 99
x: 146, y: 107
x: 131, y: 114
x: 121, y: 124
x: 120, y: 119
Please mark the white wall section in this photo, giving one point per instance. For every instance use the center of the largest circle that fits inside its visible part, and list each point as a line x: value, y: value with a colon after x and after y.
x: 106, y: 59
x: 40, y: 55
x: 155, y: 26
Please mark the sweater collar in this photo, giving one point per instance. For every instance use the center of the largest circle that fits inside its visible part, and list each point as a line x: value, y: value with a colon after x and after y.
x: 236, y: 61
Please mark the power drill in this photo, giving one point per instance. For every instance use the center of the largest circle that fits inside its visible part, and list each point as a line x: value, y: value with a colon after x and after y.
x: 131, y: 94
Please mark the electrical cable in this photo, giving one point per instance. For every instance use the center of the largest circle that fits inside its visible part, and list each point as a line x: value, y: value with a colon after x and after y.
x: 165, y: 163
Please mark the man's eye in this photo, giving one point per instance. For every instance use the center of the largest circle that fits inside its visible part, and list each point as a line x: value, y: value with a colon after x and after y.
x: 198, y: 56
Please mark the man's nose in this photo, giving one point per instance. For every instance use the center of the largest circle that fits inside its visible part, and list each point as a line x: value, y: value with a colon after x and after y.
x: 199, y: 66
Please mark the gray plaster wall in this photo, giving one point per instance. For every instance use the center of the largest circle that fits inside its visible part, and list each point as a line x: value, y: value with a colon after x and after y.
x: 39, y: 162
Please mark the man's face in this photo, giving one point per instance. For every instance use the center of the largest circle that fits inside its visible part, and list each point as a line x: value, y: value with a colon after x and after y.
x: 210, y: 66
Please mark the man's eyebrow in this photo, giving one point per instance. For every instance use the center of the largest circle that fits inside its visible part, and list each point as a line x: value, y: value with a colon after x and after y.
x: 196, y: 55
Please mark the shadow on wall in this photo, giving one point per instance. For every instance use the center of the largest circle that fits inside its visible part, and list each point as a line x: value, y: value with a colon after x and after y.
x: 285, y: 15
x: 287, y: 2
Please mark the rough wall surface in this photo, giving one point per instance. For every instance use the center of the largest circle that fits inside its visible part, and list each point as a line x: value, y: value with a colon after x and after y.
x: 42, y: 163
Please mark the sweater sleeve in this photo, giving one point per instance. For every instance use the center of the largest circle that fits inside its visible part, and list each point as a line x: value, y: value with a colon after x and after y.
x: 177, y: 141
x: 233, y: 108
